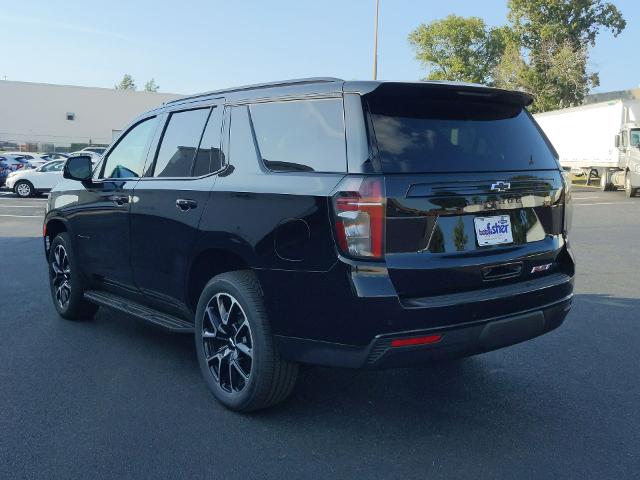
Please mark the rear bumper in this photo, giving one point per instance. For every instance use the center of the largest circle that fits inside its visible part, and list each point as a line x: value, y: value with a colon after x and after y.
x: 349, y: 315
x: 455, y: 341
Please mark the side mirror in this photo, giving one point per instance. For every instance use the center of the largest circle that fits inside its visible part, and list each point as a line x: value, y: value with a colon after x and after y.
x: 78, y: 168
x: 617, y: 142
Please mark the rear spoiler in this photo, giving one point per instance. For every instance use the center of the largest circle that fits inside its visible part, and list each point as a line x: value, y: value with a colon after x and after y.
x: 440, y: 89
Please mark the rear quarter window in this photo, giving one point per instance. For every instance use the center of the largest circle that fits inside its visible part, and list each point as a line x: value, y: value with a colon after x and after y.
x: 301, y: 135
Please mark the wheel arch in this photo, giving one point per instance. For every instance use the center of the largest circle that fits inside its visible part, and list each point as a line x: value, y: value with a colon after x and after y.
x: 52, y: 228
x: 207, y: 264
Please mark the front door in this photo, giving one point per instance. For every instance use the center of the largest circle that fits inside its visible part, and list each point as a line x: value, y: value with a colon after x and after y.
x: 101, y: 224
x: 169, y: 202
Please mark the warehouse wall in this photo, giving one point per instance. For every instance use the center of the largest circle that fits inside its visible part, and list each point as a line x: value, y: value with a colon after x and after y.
x: 37, y: 112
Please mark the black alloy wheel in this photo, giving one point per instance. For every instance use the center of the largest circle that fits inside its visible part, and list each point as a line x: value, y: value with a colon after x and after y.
x: 227, y: 342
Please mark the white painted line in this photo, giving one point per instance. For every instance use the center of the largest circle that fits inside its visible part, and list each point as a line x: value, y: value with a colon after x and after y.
x: 604, y: 203
x: 21, y: 206
x: 13, y: 199
x: 22, y: 216
x: 583, y: 198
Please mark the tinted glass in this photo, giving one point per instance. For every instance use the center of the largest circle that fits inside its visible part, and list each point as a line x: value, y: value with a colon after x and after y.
x: 126, y: 160
x: 305, y: 135
x: 434, y: 134
x: 179, y: 143
x: 242, y: 150
x: 209, y: 158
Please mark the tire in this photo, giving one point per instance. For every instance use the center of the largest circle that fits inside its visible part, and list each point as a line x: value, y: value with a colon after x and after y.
x: 247, y: 378
x: 24, y: 189
x: 629, y: 190
x: 66, y: 283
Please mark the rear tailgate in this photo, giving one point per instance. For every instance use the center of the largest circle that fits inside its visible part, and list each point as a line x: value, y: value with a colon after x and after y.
x: 475, y: 194
x: 432, y: 244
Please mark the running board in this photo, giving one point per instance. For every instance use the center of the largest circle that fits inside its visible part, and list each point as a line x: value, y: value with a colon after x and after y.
x: 155, y: 317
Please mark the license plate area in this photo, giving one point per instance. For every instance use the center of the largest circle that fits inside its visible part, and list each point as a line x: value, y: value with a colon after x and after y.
x: 493, y: 230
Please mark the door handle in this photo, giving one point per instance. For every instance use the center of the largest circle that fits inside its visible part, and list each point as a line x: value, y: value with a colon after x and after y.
x: 120, y: 200
x: 184, y: 204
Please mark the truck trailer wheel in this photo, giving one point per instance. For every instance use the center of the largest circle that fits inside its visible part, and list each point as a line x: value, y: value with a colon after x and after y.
x: 629, y: 189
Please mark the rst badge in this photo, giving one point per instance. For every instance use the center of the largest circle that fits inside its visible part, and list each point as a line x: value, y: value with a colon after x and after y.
x: 541, y: 268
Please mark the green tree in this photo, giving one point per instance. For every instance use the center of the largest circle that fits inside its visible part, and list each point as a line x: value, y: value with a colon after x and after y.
x: 575, y: 21
x: 127, y: 83
x: 458, y: 48
x: 554, y: 37
x: 460, y: 238
x: 544, y: 50
x: 151, y: 86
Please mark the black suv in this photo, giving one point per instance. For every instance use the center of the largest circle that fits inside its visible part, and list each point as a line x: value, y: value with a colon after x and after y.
x: 320, y: 221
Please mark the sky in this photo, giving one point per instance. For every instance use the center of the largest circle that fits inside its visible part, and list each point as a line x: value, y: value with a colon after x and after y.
x: 198, y: 45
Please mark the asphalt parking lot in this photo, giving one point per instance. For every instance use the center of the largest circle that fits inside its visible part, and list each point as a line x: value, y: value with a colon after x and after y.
x: 114, y: 398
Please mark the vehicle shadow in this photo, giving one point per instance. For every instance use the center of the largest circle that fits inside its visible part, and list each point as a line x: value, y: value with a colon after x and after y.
x: 540, y: 384
x: 504, y: 387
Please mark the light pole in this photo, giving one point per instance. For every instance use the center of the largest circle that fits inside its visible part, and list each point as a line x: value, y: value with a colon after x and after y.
x: 375, y: 44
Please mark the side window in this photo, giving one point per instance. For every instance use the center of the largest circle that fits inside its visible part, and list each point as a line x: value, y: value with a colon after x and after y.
x: 52, y: 167
x: 209, y: 157
x: 126, y: 160
x: 179, y: 143
x: 242, y: 150
x: 301, y: 135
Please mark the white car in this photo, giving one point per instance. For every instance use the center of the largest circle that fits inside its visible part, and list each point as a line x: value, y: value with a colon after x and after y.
x: 98, y: 150
x: 26, y: 183
x: 95, y: 157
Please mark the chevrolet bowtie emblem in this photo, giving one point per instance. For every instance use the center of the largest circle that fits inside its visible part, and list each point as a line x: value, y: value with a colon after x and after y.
x: 500, y: 186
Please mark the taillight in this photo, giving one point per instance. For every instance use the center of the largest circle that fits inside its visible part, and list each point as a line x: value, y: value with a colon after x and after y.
x: 359, y: 216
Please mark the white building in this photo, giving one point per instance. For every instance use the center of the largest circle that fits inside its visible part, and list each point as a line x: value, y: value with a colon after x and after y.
x: 41, y: 116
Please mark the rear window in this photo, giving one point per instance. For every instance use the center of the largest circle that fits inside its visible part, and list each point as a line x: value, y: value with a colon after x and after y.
x: 449, y: 132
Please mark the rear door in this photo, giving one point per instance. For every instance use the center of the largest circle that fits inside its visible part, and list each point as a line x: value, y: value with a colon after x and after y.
x: 169, y: 202
x: 474, y: 192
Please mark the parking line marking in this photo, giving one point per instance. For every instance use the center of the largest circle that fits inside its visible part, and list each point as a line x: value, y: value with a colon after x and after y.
x: 603, y: 203
x: 22, y: 216
x: 13, y: 199
x: 584, y: 198
x: 21, y: 206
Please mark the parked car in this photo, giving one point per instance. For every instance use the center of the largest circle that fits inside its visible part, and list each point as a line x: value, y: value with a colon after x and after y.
x: 5, y: 168
x: 33, y: 159
x: 95, y: 157
x: 98, y: 150
x: 26, y: 183
x: 354, y: 224
x: 16, y: 162
x: 56, y: 156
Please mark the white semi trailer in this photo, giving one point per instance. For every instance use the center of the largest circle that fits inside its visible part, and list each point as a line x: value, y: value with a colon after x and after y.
x: 600, y: 139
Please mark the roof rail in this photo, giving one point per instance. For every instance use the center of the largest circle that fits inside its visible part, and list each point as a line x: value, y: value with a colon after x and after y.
x: 281, y: 83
